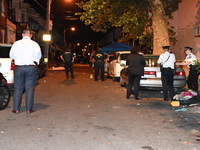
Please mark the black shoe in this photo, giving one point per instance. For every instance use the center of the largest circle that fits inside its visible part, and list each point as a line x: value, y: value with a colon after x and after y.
x: 15, y: 111
x: 137, y: 98
x: 165, y: 99
x: 128, y: 96
x: 73, y: 77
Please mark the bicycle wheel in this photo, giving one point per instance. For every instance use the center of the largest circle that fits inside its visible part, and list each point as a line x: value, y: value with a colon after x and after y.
x: 4, y: 96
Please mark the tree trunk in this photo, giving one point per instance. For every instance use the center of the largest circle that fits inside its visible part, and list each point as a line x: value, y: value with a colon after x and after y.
x: 160, y: 30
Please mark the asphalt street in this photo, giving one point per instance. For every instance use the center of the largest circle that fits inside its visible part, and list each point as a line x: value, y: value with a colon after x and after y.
x: 83, y: 114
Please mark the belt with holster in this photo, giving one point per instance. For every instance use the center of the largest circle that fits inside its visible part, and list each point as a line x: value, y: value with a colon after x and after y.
x: 192, y: 67
x: 26, y: 65
x: 167, y: 68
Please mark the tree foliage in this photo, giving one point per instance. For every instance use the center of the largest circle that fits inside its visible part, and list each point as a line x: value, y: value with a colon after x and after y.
x: 133, y: 16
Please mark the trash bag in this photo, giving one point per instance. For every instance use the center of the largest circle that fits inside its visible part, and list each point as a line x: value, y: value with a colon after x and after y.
x: 193, y: 100
x: 187, y: 97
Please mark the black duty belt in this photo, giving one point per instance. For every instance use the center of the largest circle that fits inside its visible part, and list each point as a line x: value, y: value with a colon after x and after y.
x: 167, y: 68
x: 192, y: 67
x: 26, y: 65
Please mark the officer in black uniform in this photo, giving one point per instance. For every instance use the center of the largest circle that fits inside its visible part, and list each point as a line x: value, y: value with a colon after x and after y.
x: 99, y: 64
x: 190, y: 59
x: 68, y: 59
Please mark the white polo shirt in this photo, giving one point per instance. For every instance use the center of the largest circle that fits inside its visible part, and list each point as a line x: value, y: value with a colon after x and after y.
x: 167, y: 63
x: 25, y: 52
x: 191, y: 58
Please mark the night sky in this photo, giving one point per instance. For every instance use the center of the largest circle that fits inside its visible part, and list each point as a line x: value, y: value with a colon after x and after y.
x: 60, y: 9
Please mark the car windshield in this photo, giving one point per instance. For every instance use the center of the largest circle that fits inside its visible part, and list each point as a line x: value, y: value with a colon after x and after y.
x: 151, y: 61
x: 124, y: 56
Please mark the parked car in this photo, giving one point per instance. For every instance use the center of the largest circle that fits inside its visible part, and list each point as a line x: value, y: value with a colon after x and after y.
x: 152, y: 75
x: 116, y: 63
x: 7, y: 64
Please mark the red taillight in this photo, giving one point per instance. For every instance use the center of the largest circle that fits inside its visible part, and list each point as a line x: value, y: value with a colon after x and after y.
x: 12, y: 65
x: 180, y: 73
x: 150, y: 72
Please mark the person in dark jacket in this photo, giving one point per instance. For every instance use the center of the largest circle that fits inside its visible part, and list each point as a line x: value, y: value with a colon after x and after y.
x: 135, y: 70
x: 68, y: 59
x: 99, y: 64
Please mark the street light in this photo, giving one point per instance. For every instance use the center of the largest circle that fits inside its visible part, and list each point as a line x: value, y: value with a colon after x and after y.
x: 72, y: 29
x: 46, y: 50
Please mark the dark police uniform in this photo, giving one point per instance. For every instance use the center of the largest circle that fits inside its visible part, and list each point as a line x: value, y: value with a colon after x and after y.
x: 68, y: 57
x: 167, y: 61
x: 135, y: 70
x: 193, y: 76
x: 99, y: 64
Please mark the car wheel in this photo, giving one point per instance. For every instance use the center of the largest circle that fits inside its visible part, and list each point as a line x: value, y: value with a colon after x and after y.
x: 4, y: 96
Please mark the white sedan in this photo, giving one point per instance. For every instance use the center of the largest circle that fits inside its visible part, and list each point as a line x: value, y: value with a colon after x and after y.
x: 152, y: 75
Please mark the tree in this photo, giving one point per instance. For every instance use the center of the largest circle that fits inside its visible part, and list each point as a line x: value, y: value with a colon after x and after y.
x: 141, y: 19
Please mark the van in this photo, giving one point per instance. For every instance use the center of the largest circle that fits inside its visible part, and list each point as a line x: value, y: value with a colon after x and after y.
x: 116, y: 63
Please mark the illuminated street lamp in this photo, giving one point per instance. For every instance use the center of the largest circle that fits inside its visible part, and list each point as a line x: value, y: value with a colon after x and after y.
x: 46, y: 50
x: 47, y: 37
x: 72, y: 29
x: 48, y: 23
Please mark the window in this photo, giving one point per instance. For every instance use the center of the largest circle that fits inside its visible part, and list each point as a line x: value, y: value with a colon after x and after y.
x: 151, y: 61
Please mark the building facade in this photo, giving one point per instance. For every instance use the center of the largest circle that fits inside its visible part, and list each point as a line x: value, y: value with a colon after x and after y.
x: 186, y: 22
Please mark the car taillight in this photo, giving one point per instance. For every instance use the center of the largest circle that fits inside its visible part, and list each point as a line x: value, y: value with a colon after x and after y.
x: 12, y: 65
x: 180, y: 73
x: 150, y: 72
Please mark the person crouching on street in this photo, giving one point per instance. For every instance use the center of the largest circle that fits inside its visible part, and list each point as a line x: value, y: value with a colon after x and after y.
x: 167, y: 61
x: 135, y: 70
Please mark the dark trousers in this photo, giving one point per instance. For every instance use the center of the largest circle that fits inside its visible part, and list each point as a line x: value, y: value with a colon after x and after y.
x: 192, y: 81
x: 25, y: 78
x: 69, y: 66
x: 167, y: 77
x: 133, y: 82
x: 99, y: 66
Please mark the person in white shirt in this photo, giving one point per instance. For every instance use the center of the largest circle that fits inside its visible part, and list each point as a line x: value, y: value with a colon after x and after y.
x: 167, y: 61
x: 190, y: 59
x: 26, y: 54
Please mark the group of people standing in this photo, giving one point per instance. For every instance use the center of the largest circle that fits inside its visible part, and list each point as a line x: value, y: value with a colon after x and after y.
x: 26, y: 54
x: 135, y: 70
x: 167, y: 62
